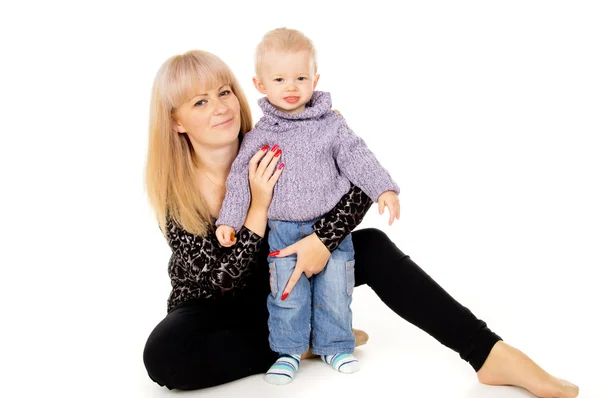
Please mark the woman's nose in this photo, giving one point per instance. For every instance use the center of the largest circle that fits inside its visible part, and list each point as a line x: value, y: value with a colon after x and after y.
x: 220, y: 107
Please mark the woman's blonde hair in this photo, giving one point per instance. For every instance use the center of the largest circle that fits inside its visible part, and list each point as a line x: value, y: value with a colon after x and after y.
x: 282, y: 40
x: 170, y: 178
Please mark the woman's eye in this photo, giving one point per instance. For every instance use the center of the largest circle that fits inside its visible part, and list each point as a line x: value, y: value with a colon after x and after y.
x: 224, y: 93
x: 200, y: 103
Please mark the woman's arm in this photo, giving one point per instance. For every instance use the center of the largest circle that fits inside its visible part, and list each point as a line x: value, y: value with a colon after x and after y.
x: 200, y: 267
x: 334, y: 226
x: 314, y: 250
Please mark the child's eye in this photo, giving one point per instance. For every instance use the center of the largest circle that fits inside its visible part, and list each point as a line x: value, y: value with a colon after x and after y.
x: 301, y: 78
x: 279, y: 79
x: 225, y: 92
x: 200, y: 103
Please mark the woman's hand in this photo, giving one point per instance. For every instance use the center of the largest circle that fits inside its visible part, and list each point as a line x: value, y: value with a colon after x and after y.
x: 312, y: 258
x: 262, y: 176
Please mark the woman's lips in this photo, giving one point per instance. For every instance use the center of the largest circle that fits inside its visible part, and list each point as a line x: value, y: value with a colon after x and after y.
x: 226, y: 122
x: 291, y: 100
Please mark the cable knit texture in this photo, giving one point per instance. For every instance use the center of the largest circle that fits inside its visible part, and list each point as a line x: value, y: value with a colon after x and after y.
x: 322, y: 157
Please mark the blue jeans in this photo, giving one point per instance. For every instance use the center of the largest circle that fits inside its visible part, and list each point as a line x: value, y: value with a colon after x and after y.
x: 317, y: 309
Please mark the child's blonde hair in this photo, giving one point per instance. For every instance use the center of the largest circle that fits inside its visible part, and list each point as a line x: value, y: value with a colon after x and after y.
x: 284, y: 40
x: 171, y: 162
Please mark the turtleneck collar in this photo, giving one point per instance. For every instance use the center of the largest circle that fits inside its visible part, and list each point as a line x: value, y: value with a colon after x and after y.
x: 319, y: 105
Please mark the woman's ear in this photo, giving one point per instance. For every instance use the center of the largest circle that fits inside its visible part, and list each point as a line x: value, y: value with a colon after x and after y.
x: 177, y: 126
x: 259, y: 85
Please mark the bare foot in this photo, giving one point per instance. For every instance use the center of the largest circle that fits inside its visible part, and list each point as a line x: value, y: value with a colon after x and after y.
x: 361, y: 338
x: 505, y: 365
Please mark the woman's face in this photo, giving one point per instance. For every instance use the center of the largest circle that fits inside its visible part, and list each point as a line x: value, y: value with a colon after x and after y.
x: 211, y: 118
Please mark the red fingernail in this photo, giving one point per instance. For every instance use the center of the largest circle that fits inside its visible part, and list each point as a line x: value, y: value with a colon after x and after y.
x: 278, y: 153
x: 274, y: 148
x: 276, y: 252
x: 284, y: 296
x: 264, y: 148
x: 280, y: 166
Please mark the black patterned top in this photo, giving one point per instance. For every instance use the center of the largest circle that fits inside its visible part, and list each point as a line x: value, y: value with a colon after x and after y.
x: 200, y: 268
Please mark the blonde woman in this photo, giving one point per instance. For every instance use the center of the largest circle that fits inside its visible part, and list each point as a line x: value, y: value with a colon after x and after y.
x: 217, y: 307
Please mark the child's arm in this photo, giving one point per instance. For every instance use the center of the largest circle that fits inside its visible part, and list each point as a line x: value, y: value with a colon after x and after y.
x: 237, y: 197
x: 360, y: 166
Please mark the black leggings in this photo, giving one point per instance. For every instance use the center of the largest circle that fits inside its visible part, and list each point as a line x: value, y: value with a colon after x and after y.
x: 194, y: 344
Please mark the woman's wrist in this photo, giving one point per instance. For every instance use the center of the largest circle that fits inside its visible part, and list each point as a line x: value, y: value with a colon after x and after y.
x: 327, y: 238
x: 256, y: 219
x: 259, y: 211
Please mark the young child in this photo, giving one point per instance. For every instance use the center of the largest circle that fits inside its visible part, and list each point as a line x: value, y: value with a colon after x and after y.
x: 322, y: 158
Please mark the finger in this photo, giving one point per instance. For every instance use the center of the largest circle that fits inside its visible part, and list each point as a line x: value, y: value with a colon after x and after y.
x: 229, y: 234
x: 264, y: 162
x: 225, y: 235
x: 381, y: 204
x: 222, y: 241
x: 276, y: 175
x: 269, y: 170
x: 283, y: 252
x: 291, y: 282
x: 393, y: 211
x: 253, y: 164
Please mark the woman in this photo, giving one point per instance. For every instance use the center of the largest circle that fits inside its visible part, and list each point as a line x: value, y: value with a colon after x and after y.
x: 217, y: 308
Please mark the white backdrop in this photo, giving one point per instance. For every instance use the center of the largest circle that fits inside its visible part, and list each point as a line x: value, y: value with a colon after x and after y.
x: 486, y: 114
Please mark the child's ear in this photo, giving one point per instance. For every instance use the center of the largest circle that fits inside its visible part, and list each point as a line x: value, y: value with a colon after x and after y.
x: 316, y: 81
x: 259, y: 85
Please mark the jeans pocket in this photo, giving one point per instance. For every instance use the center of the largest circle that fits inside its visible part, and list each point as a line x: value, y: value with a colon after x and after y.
x: 349, y: 277
x: 273, y: 278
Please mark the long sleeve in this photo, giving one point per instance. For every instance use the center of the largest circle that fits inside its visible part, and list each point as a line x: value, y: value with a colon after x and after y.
x: 237, y: 196
x: 360, y: 166
x: 200, y: 267
x: 334, y: 226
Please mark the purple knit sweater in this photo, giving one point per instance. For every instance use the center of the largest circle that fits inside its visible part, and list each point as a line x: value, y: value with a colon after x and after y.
x: 321, y: 155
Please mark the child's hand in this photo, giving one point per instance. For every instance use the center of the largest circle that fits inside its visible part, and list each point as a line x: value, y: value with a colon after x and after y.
x: 225, y: 235
x: 390, y: 199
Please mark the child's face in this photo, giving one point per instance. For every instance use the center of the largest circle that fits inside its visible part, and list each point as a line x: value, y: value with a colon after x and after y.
x: 288, y: 79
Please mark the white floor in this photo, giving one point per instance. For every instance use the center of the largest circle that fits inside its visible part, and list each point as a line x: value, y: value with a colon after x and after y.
x: 485, y: 113
x: 401, y: 361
